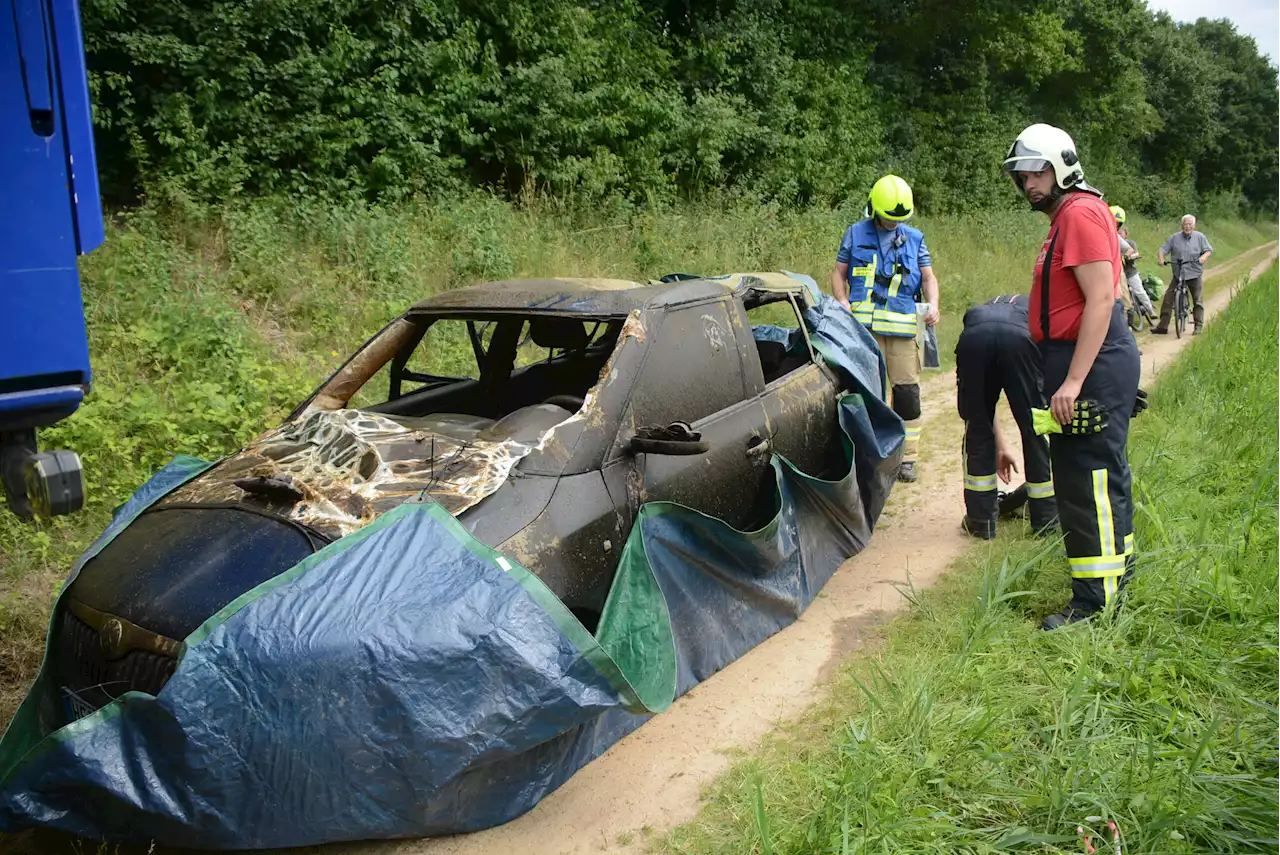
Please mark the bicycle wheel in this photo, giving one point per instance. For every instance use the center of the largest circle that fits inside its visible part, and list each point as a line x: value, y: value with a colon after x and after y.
x: 1137, y: 320
x: 1180, y: 312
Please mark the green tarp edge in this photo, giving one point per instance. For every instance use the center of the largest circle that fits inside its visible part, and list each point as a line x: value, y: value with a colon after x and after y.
x: 564, y: 619
x: 635, y: 624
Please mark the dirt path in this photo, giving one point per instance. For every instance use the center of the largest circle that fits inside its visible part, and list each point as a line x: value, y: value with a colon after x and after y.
x: 1157, y: 350
x: 651, y: 780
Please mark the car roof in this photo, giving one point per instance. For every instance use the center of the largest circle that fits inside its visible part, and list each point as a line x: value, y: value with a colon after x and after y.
x: 601, y: 296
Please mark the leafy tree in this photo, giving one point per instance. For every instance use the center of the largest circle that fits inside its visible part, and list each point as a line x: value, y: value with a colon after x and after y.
x: 798, y: 101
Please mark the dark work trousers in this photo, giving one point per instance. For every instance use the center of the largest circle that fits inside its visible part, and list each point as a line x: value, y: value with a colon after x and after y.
x: 995, y: 353
x: 1195, y: 287
x: 1091, y: 473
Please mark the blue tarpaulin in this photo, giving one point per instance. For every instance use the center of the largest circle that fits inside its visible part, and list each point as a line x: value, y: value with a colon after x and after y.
x: 408, y: 680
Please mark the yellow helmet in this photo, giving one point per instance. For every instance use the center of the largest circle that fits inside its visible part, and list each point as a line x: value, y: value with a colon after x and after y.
x: 1119, y: 214
x: 891, y: 199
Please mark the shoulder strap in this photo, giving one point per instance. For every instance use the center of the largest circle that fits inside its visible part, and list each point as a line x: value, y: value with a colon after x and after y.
x: 1045, y: 270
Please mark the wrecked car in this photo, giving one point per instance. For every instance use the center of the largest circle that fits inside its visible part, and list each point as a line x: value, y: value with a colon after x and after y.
x: 648, y: 478
x: 522, y: 411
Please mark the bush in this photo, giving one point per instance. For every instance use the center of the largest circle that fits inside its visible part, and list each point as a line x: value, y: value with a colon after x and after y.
x: 799, y: 101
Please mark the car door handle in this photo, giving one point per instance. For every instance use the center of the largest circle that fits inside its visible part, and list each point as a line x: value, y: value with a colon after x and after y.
x: 758, y: 445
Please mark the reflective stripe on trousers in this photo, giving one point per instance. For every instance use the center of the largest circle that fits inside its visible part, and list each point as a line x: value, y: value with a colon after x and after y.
x: 979, y: 483
x: 911, y: 445
x: 1108, y: 565
x: 1039, y: 489
x: 1091, y: 476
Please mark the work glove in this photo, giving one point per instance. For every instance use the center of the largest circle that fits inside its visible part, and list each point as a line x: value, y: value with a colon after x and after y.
x: 1139, y: 404
x: 1090, y: 418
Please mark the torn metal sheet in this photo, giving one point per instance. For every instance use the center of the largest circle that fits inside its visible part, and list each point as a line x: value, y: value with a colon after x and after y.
x: 351, y: 466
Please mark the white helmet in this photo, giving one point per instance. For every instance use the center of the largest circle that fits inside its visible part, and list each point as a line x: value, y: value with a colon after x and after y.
x: 1041, y: 146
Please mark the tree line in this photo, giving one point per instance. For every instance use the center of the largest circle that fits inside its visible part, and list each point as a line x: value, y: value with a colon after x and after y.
x: 799, y: 101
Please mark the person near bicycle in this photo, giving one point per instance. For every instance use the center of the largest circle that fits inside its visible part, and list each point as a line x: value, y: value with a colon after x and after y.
x: 1129, y: 255
x: 1090, y: 363
x: 995, y: 353
x: 1188, y: 249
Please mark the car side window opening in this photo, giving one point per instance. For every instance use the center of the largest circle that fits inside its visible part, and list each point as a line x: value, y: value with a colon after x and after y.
x: 779, y: 336
x: 444, y: 352
x: 484, y: 367
x: 694, y: 371
x: 449, y: 351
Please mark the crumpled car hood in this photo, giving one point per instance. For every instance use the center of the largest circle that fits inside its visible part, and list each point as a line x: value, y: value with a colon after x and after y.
x: 352, y: 466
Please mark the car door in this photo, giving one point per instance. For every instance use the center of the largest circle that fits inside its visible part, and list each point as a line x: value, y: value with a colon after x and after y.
x: 799, y: 392
x: 692, y: 373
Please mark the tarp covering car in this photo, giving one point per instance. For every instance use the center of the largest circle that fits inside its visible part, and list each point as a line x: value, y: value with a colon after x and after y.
x: 408, y: 680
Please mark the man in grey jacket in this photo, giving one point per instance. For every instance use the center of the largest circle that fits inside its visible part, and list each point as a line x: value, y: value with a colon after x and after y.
x: 1188, y: 249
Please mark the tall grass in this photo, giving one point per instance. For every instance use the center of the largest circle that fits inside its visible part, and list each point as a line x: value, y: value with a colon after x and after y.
x: 207, y: 325
x: 975, y: 731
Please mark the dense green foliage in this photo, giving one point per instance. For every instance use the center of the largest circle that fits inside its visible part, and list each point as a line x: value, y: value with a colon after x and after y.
x: 794, y: 100
x: 977, y: 732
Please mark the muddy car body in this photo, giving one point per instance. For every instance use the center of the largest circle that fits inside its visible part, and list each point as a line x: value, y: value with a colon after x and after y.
x: 538, y: 412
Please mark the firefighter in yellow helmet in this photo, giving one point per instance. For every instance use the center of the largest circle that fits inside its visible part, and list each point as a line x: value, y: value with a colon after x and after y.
x: 1138, y: 300
x: 882, y: 271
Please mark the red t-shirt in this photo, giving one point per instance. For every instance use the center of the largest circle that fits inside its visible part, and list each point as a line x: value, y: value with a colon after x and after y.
x: 1081, y: 230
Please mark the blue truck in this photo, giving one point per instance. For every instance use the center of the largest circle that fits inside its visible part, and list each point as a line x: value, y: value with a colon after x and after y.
x: 52, y: 213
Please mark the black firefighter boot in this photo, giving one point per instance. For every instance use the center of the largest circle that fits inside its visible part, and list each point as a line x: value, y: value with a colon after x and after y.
x: 1089, y: 598
x: 1066, y: 617
x: 982, y: 529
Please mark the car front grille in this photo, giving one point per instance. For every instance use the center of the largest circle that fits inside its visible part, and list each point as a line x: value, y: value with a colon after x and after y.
x: 88, y: 680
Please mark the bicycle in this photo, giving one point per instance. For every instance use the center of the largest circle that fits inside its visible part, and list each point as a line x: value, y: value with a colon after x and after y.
x: 1135, y: 314
x: 1181, y: 299
x: 1136, y: 318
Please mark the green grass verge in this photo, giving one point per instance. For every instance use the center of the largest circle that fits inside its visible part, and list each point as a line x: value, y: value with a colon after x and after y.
x: 207, y: 325
x: 974, y: 731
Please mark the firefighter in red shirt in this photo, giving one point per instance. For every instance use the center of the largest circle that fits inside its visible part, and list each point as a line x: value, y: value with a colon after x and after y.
x: 1089, y: 356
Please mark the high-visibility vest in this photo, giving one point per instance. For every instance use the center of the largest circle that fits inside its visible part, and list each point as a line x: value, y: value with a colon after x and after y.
x: 883, y: 288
